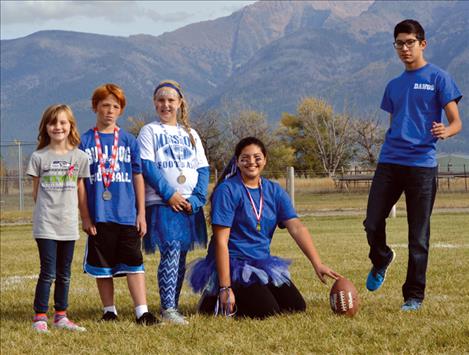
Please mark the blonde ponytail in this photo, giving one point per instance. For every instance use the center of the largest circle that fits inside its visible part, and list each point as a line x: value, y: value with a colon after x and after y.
x: 184, y: 119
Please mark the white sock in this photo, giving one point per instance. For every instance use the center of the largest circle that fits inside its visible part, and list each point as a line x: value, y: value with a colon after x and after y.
x: 110, y: 309
x: 139, y: 310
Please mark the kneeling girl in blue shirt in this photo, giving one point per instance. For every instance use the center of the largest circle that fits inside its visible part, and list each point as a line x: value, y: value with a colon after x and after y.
x: 239, y: 274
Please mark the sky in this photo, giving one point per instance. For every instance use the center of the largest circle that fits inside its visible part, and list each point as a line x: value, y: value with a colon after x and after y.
x: 116, y: 18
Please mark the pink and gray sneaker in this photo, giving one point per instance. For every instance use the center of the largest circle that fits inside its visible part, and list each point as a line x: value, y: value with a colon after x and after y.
x: 40, y: 326
x: 65, y: 323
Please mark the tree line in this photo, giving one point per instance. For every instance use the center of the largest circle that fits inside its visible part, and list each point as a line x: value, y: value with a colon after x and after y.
x: 314, y: 139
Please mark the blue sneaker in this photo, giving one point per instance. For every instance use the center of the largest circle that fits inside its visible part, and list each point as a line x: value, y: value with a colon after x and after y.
x: 376, y: 276
x: 412, y: 304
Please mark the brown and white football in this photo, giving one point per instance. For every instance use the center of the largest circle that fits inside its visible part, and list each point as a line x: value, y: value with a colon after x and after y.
x: 344, y: 298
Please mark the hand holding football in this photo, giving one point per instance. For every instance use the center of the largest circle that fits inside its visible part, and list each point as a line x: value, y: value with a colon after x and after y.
x: 344, y: 297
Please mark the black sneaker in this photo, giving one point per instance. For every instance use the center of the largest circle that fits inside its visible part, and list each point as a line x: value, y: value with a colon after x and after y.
x: 147, y: 319
x: 109, y: 317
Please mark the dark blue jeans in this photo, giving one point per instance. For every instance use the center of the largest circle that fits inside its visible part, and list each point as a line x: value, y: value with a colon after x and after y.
x: 419, y: 187
x: 56, y: 263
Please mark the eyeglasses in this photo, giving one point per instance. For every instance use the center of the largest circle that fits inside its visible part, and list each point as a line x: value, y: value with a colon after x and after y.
x: 410, y: 43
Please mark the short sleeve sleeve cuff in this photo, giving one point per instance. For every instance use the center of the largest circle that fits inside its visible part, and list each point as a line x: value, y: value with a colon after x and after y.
x: 386, y: 103
x: 223, y: 206
x: 145, y: 143
x: 285, y: 207
x: 33, y: 165
x: 448, y: 90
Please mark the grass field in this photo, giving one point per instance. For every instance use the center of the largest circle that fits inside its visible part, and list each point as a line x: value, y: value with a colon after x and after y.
x: 307, y: 202
x: 442, y: 326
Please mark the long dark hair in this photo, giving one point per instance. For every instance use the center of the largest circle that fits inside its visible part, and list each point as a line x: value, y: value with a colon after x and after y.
x: 231, y: 169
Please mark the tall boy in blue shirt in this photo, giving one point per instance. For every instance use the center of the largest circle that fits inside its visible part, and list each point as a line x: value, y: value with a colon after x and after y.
x: 407, y: 163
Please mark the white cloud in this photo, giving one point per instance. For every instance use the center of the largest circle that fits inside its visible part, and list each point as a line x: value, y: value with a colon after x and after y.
x: 177, y: 16
x: 26, y: 12
x: 115, y: 18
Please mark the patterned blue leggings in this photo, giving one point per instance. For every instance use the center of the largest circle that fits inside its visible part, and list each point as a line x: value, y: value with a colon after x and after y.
x: 171, y: 273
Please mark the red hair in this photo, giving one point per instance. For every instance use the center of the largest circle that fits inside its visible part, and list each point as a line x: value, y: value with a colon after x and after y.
x: 103, y: 91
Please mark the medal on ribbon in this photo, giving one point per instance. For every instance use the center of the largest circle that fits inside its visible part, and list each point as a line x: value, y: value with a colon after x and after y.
x: 107, y: 196
x: 257, y: 213
x: 181, y: 179
x: 107, y: 174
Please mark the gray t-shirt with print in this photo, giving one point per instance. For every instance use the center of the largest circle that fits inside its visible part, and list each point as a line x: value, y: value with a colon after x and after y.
x: 56, y: 210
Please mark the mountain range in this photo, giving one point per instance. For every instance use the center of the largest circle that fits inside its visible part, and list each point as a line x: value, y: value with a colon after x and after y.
x: 266, y: 57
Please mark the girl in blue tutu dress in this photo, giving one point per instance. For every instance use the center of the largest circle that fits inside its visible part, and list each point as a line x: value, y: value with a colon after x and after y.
x: 239, y: 275
x: 176, y: 175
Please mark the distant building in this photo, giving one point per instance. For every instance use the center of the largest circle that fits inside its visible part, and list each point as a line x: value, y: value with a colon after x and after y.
x: 453, y: 162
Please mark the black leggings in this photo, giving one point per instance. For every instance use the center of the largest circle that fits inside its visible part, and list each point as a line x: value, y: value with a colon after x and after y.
x: 260, y: 301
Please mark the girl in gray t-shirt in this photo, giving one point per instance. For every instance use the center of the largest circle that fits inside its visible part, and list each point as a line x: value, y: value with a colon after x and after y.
x: 58, y: 168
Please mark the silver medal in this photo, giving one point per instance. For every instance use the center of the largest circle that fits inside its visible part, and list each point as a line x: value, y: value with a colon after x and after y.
x: 107, y: 196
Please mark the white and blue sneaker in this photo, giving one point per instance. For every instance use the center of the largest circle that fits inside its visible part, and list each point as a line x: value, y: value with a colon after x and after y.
x: 376, y: 276
x: 412, y: 304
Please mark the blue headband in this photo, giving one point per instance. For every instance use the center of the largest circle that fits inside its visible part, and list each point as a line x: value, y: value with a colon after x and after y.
x: 168, y: 85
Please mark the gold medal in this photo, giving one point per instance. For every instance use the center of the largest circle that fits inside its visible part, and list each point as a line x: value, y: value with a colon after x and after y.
x: 181, y: 179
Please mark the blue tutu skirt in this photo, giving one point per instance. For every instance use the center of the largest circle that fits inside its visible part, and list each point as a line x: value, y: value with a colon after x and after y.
x: 165, y: 225
x: 202, y: 274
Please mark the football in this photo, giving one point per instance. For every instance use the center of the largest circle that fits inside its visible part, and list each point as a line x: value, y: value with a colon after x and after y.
x: 344, y: 298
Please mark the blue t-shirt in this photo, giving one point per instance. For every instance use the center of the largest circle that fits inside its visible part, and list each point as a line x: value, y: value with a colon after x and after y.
x: 415, y: 100
x: 121, y: 208
x: 231, y: 207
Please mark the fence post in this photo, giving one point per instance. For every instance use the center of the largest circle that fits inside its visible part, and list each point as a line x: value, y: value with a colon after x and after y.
x: 465, y: 177
x: 20, y: 174
x: 291, y: 183
x: 449, y: 170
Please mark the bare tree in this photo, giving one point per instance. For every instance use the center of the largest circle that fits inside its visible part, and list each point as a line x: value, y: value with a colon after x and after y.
x: 135, y: 123
x: 329, y: 132
x: 208, y: 126
x: 250, y: 124
x: 368, y: 136
x: 244, y: 124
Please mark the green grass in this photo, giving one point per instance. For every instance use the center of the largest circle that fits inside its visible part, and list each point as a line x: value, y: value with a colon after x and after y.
x: 315, y: 202
x: 306, y: 202
x: 442, y: 326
